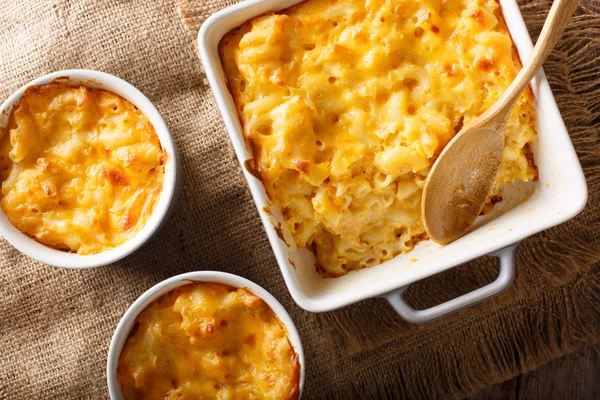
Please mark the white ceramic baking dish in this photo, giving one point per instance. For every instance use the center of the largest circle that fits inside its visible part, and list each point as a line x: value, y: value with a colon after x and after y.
x: 559, y: 195
x: 162, y: 210
x: 124, y: 327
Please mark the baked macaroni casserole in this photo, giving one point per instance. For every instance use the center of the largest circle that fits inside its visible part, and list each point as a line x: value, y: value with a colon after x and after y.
x: 81, y: 168
x: 347, y: 104
x: 208, y: 341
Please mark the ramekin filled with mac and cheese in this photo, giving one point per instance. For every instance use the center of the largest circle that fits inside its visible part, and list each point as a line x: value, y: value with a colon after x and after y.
x: 206, y: 334
x: 87, y: 166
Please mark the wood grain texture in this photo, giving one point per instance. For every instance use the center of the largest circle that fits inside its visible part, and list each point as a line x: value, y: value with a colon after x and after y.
x: 574, y: 377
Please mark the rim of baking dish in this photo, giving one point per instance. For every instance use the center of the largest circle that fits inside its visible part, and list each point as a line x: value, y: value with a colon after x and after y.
x: 58, y: 258
x: 126, y: 323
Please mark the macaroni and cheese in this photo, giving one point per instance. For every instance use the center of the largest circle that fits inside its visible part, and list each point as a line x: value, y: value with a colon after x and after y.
x: 81, y: 168
x: 347, y: 104
x: 208, y: 341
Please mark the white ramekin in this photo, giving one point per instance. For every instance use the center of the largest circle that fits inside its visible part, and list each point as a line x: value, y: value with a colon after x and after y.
x: 126, y: 323
x: 559, y: 195
x: 168, y: 196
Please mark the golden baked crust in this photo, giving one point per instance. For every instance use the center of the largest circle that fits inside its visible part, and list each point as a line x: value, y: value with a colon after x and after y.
x: 347, y: 105
x: 208, y: 341
x: 81, y: 168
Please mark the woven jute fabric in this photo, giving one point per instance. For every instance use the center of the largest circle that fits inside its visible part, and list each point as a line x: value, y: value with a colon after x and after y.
x: 56, y: 324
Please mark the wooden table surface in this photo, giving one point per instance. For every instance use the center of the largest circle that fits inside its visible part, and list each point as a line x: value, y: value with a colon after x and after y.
x: 575, y: 377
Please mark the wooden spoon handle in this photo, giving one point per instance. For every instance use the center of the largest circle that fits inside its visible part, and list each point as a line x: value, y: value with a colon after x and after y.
x: 555, y: 24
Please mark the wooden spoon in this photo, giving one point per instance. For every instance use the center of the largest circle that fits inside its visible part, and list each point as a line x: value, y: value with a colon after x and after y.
x: 462, y: 177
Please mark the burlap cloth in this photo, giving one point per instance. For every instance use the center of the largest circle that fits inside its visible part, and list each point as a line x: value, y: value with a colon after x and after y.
x: 56, y: 324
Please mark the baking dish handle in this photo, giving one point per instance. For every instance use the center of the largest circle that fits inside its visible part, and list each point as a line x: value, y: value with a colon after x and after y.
x: 506, y: 257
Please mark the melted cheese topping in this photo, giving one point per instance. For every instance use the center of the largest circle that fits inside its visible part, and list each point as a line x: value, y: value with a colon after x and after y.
x: 208, y: 341
x: 81, y: 168
x: 348, y: 103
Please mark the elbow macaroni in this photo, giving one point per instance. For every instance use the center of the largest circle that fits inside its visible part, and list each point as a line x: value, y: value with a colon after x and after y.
x: 348, y: 103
